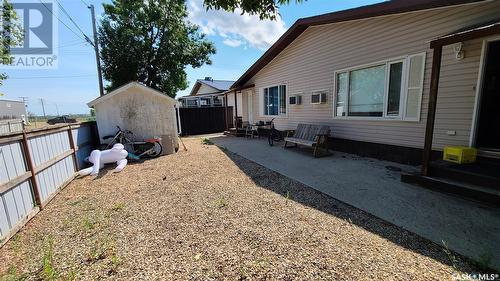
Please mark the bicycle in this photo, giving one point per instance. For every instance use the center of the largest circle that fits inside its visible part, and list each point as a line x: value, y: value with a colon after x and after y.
x: 148, y: 148
x: 274, y: 135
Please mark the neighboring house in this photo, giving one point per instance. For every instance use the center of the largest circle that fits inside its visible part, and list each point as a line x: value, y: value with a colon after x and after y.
x: 207, y: 93
x: 142, y: 110
x: 367, y: 73
x: 10, y: 109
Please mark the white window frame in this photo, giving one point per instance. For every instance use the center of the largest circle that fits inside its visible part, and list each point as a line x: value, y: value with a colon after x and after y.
x: 404, y: 89
x: 261, y: 100
x: 402, y: 97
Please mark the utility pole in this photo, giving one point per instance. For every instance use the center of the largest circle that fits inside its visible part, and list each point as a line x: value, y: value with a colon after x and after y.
x: 43, y: 107
x: 96, y: 49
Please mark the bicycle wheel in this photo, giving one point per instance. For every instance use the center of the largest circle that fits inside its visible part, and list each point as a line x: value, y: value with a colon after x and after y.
x: 270, y: 138
x: 156, y: 151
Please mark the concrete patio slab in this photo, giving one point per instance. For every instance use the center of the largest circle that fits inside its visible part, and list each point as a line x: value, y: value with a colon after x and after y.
x: 469, y: 228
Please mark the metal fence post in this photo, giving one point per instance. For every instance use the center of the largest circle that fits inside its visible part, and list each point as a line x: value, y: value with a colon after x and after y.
x: 31, y: 167
x: 73, y: 147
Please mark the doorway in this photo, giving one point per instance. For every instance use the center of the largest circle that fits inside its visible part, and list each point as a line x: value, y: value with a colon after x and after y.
x: 488, y: 130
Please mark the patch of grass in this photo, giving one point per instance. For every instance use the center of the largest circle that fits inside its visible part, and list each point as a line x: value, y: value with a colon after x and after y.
x: 12, y: 275
x: 243, y: 273
x: 453, y: 259
x: 48, y: 271
x: 262, y: 263
x: 16, y: 244
x: 221, y: 203
x: 74, y: 203
x: 115, y: 263
x: 89, y: 223
x: 206, y: 141
x: 118, y: 207
x: 288, y: 196
x: 71, y: 276
x: 101, y: 249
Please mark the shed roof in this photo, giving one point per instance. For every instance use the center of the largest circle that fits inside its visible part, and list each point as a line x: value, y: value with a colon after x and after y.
x: 364, y: 12
x: 126, y: 87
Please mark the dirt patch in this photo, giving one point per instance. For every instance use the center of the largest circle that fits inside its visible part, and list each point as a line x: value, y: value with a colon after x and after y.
x: 208, y: 214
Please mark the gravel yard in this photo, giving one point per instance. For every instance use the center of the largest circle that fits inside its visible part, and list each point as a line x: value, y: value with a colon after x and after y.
x: 209, y: 214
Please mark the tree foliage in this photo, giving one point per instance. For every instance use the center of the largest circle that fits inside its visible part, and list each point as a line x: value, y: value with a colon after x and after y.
x: 266, y: 9
x: 10, y: 33
x: 152, y: 42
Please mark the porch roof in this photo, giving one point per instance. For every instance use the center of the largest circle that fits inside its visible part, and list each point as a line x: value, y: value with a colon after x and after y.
x: 468, y: 33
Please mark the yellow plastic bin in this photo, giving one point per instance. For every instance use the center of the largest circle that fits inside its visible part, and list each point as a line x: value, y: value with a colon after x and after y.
x: 460, y: 154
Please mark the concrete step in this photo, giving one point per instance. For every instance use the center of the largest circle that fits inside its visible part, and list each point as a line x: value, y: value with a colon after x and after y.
x: 454, y: 187
x: 482, y: 173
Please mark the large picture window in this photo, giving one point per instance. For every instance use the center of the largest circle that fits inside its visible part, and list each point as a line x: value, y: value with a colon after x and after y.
x: 391, y: 89
x: 274, y: 100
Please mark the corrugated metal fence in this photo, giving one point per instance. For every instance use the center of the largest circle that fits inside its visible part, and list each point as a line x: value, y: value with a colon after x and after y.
x: 11, y: 126
x: 34, y: 166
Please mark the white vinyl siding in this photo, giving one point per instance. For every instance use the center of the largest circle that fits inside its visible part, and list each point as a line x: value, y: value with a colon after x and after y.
x: 310, y: 63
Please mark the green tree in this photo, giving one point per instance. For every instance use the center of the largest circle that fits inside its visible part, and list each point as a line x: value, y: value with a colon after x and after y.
x: 266, y: 9
x: 10, y: 34
x: 151, y: 42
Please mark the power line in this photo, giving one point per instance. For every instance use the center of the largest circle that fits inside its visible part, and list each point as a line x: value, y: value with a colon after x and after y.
x: 71, y: 19
x: 79, y: 43
x: 85, y: 3
x: 74, y: 32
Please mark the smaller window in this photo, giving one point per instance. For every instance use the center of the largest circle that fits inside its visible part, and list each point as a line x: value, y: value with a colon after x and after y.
x: 342, y: 84
x: 282, y: 102
x: 394, y: 91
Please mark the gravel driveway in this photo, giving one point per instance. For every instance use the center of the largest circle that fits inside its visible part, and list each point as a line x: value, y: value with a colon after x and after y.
x: 208, y: 214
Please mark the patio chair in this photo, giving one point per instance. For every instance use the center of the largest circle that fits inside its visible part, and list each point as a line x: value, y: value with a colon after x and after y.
x: 250, y: 130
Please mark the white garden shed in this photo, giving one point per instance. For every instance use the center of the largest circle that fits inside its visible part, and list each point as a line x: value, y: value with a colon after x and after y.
x: 140, y: 109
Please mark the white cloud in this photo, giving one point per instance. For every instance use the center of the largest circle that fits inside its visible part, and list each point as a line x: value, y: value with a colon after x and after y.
x: 236, y: 28
x: 232, y: 42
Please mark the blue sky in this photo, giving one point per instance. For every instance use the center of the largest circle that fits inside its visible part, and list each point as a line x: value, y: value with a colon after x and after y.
x: 240, y: 41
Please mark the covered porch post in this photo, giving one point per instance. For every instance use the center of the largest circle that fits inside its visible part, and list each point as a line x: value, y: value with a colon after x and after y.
x: 236, y: 108
x: 474, y: 32
x: 225, y: 112
x: 431, y: 111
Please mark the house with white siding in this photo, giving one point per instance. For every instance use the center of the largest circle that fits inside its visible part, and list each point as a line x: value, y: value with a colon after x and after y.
x: 206, y: 92
x: 398, y: 80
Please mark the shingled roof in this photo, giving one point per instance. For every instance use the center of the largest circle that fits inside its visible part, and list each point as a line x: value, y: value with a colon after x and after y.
x: 375, y: 10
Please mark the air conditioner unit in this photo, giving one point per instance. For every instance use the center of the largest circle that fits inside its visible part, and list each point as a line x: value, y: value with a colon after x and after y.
x: 318, y: 98
x: 295, y: 99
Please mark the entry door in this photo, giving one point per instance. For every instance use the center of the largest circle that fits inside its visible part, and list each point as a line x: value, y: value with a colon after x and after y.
x: 250, y: 106
x: 488, y: 132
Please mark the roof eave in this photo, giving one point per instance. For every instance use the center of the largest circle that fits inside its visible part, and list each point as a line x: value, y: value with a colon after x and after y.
x: 364, y: 12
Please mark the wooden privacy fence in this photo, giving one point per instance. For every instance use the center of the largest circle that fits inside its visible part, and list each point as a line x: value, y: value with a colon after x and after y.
x: 11, y: 126
x: 34, y: 166
x: 205, y: 120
